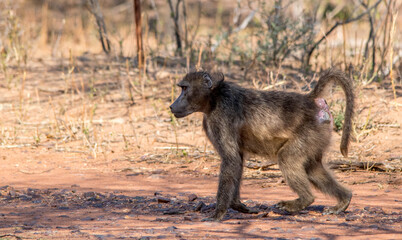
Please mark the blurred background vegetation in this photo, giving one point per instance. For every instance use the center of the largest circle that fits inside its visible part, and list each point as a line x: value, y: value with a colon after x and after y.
x: 70, y: 79
x: 252, y: 36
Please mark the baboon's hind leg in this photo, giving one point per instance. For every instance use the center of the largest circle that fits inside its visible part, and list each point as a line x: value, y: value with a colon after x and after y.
x: 323, y: 181
x: 295, y: 175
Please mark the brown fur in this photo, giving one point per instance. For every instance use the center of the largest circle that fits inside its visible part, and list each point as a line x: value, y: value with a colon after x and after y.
x: 279, y: 125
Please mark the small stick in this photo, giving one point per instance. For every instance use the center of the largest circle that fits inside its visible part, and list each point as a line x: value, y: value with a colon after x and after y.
x: 344, y: 46
x: 199, y: 57
x: 392, y: 35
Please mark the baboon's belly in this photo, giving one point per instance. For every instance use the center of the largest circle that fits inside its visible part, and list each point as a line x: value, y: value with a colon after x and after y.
x: 266, y: 147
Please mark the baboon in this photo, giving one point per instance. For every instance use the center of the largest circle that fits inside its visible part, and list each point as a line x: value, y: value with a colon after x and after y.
x: 284, y: 126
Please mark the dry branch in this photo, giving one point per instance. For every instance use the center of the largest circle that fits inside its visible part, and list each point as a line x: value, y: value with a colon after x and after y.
x: 94, y: 8
x: 175, y: 143
x: 262, y: 166
x: 348, y: 165
x: 337, y: 24
x: 175, y: 16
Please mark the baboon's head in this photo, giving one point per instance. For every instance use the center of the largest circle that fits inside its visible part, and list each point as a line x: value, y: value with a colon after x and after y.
x: 196, y: 89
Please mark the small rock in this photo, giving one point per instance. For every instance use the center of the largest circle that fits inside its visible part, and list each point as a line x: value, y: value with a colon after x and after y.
x: 88, y: 219
x: 208, y: 207
x: 24, y: 197
x: 351, y: 218
x: 171, y: 229
x: 150, y: 231
x: 98, y: 205
x: 144, y: 238
x: 12, y: 194
x: 173, y: 211
x: 263, y: 207
x: 163, y: 200
x: 89, y: 195
x: 262, y: 215
x: 199, y: 206
x: 308, y: 228
x: 34, y: 193
x: 192, y: 197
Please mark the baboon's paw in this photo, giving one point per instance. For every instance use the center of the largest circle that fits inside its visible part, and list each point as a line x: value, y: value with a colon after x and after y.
x: 243, y: 208
x: 340, y: 207
x: 331, y: 210
x: 294, y: 205
x: 216, y: 217
x: 289, y: 206
x: 336, y: 209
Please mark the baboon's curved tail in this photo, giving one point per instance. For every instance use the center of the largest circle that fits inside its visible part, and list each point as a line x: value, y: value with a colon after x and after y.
x: 346, y: 83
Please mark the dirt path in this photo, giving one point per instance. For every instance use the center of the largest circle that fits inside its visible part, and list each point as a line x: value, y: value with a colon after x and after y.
x: 68, y: 201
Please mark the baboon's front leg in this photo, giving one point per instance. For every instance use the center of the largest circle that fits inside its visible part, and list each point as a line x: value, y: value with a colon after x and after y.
x: 230, y: 174
x: 236, y: 203
x: 225, y: 142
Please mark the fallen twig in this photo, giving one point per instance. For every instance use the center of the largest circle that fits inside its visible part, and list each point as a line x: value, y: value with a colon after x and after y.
x: 262, y: 166
x: 373, y: 166
x: 175, y: 143
x: 26, y: 172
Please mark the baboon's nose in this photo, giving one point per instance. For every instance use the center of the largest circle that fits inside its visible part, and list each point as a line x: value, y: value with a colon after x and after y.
x: 170, y: 107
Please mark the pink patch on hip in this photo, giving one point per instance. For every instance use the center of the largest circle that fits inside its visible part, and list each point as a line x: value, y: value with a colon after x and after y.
x: 323, y: 115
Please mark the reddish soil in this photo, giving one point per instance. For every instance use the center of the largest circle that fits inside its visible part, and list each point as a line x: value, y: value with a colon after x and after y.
x: 79, y: 159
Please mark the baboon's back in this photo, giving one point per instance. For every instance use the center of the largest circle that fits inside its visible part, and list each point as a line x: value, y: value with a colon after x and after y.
x: 268, y: 119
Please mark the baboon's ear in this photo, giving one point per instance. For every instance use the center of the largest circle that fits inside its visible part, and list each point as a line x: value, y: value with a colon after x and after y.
x: 207, y: 80
x: 213, y: 80
x: 218, y: 77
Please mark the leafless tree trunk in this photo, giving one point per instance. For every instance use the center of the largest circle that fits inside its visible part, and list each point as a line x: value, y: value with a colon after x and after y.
x: 371, y: 38
x: 138, y: 32
x: 175, y: 16
x: 94, y: 8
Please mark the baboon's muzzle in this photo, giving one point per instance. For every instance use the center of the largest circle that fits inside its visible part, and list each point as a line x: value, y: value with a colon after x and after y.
x: 177, y: 111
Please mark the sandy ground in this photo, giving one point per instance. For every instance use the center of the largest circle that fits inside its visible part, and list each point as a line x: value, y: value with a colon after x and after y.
x: 70, y: 203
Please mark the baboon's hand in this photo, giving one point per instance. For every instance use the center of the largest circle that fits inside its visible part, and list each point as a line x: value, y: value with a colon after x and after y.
x: 216, y: 217
x: 240, y: 207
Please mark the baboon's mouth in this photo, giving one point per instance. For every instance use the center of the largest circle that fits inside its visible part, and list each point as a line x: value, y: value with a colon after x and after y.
x: 180, y: 114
